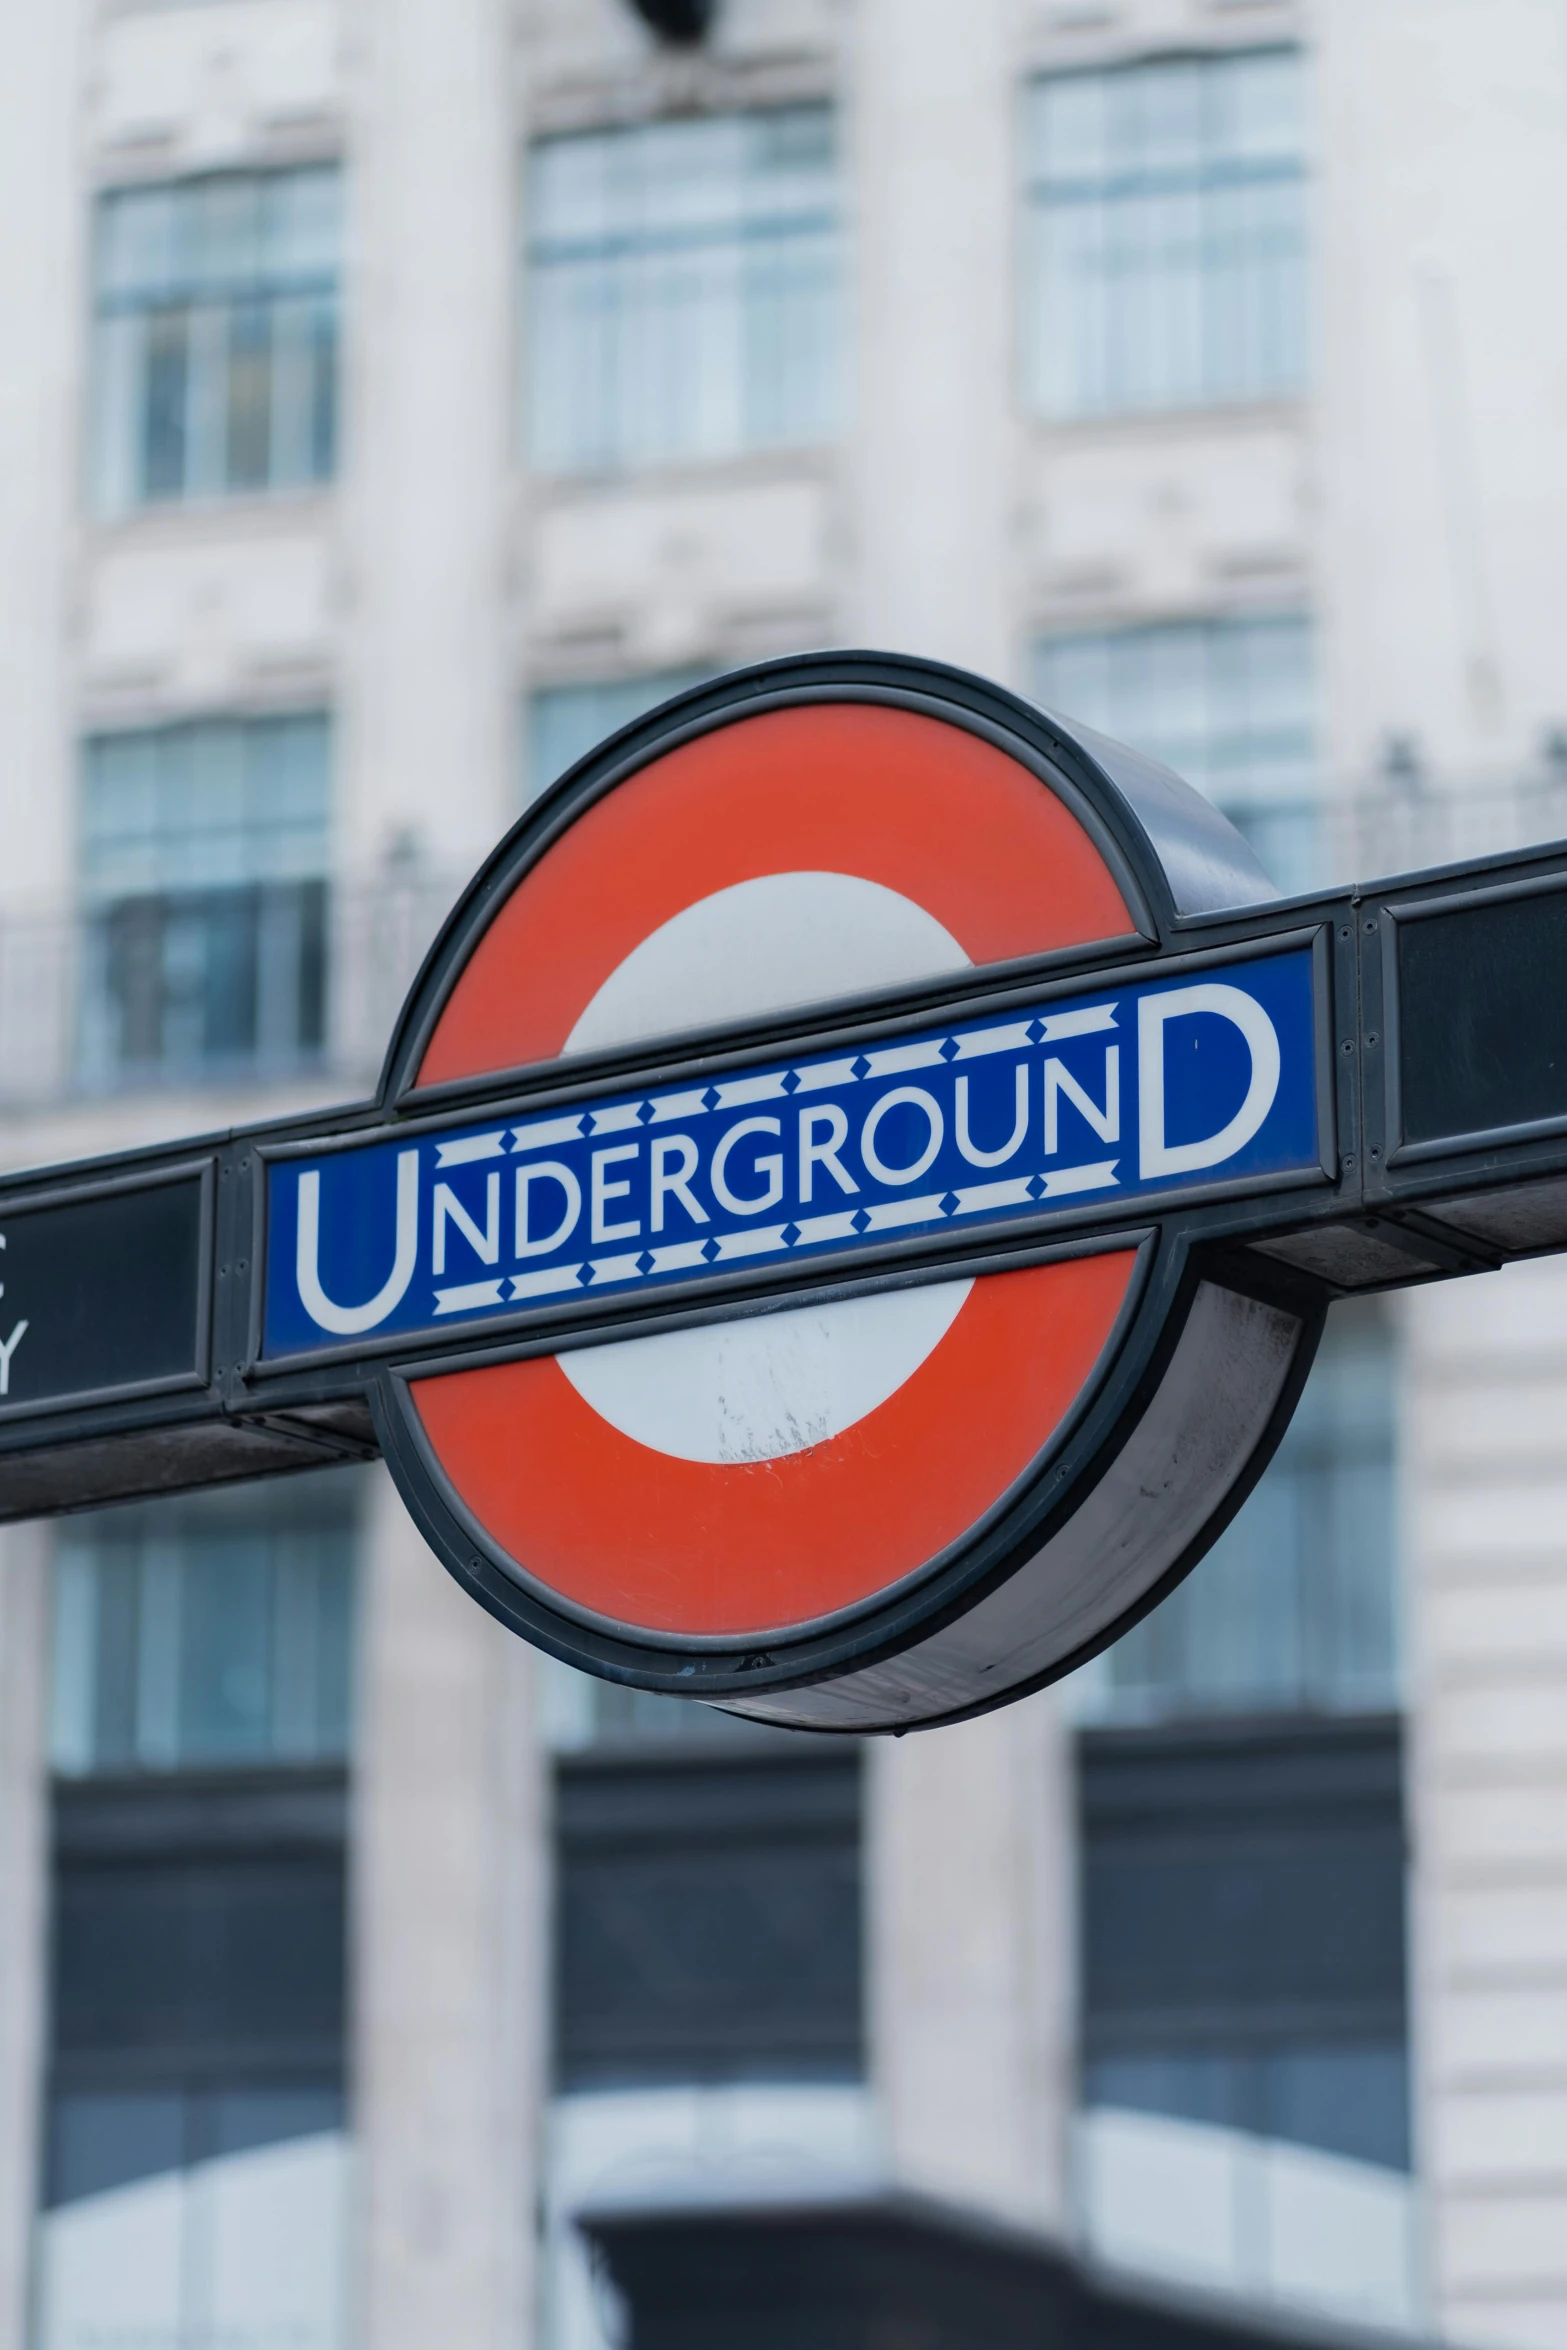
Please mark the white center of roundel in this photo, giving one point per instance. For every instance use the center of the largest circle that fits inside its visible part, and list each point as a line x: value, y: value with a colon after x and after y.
x: 771, y: 1385
x: 761, y: 946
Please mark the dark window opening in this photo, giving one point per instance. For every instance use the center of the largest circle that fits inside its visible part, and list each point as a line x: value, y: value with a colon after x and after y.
x: 1244, y: 1930
x: 708, y: 1916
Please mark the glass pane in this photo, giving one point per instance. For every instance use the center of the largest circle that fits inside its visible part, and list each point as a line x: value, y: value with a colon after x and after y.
x: 108, y: 2139
x: 1166, y: 267
x: 250, y: 365
x: 1229, y: 704
x: 1352, y: 2101
x: 196, y: 372
x: 212, y: 1630
x: 683, y: 289
x: 565, y: 722
x: 165, y: 404
x: 241, y: 2119
x: 1348, y: 2101
x: 226, y: 1653
x: 201, y: 850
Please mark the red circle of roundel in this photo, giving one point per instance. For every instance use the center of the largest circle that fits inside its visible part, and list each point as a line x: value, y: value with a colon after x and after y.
x: 888, y: 795
x: 676, y: 1547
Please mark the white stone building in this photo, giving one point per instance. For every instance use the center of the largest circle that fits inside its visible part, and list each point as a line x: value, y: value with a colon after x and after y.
x: 394, y: 396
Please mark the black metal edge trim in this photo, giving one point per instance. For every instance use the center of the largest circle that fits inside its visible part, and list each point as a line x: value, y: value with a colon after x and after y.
x: 1325, y: 1028
x: 252, y: 1168
x: 89, y: 1398
x: 1382, y: 889
x: 56, y: 1194
x: 1123, y: 1409
x: 1446, y: 1146
x: 1296, y: 1294
x: 1392, y: 1033
x: 1110, y: 1404
x: 1533, y: 885
x: 206, y: 1270
x: 931, y: 689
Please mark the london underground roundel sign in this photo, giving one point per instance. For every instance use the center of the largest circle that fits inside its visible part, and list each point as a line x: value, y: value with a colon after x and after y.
x: 796, y: 1264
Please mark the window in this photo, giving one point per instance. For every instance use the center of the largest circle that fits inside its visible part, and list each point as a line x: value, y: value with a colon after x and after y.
x: 203, y: 850
x: 565, y: 722
x: 1166, y: 235
x: 708, y: 1961
x: 207, y: 1632
x: 1229, y: 704
x: 195, y: 2184
x: 1245, y: 2069
x: 684, y: 290
x: 1295, y: 1607
x: 1244, y: 2028
x: 708, y: 1915
x: 217, y: 321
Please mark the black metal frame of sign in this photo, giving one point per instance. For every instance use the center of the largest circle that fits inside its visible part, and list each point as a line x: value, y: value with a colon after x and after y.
x: 137, y: 1355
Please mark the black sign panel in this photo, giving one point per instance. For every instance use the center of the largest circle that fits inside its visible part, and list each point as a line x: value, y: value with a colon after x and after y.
x: 1482, y: 1014
x: 105, y: 1289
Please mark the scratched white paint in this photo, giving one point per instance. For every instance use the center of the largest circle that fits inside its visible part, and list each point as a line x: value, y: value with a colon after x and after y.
x: 776, y: 1384
x: 760, y: 946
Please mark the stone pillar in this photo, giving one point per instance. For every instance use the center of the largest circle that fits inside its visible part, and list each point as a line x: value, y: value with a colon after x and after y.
x: 43, y: 300
x: 448, y: 1940
x: 969, y: 1830
x: 933, y: 202
x: 24, y: 1877
x: 1486, y: 1445
x: 427, y: 719
x: 972, y: 1930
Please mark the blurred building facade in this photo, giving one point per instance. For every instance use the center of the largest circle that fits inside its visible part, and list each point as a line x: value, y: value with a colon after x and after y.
x: 398, y: 395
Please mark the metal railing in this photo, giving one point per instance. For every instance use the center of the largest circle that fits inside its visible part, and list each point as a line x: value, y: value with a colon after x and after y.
x: 58, y: 1043
x: 73, y: 1025
x: 1407, y: 818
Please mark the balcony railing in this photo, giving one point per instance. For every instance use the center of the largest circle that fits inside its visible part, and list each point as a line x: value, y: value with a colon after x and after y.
x: 261, y: 985
x: 282, y: 981
x: 1407, y: 818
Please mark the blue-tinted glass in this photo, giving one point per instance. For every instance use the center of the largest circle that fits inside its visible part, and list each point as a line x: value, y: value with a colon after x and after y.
x: 216, y: 363
x: 1166, y: 255
x: 223, y: 800
x: 1196, y: 2086
x: 1229, y: 704
x: 1352, y: 2101
x: 241, y: 2119
x: 205, y: 943
x: 565, y: 722
x: 683, y: 289
x: 110, y: 2139
x: 1295, y: 1606
x: 226, y: 1653
x: 217, y: 1629
x: 1341, y: 2100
